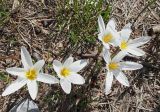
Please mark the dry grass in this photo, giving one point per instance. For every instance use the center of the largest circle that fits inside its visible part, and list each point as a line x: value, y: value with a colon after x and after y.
x: 55, y: 31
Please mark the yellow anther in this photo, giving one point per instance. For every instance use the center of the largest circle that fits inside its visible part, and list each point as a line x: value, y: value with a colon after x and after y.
x: 107, y: 38
x: 31, y: 74
x: 113, y: 66
x: 65, y: 72
x: 123, y: 45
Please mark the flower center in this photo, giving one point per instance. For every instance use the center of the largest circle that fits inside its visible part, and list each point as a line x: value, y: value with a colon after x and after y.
x: 107, y: 38
x: 123, y: 45
x: 113, y: 66
x: 65, y: 72
x: 31, y: 74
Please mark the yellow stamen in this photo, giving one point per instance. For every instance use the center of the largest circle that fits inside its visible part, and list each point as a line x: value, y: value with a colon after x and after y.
x: 123, y: 45
x: 31, y: 74
x: 107, y: 38
x: 113, y: 66
x: 65, y: 72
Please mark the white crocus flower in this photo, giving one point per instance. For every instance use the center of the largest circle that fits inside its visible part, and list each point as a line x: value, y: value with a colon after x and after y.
x: 131, y: 46
x: 108, y: 35
x: 114, y: 68
x: 29, y: 75
x: 67, y: 72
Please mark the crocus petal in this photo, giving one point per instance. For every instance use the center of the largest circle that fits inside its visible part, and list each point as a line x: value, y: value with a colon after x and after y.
x: 116, y: 36
x: 66, y: 85
x: 14, y: 86
x: 136, y: 51
x: 38, y: 65
x: 78, y: 65
x: 111, y: 24
x: 106, y: 46
x: 127, y: 26
x: 47, y: 78
x: 26, y: 58
x: 57, y: 66
x: 108, y: 82
x: 76, y: 79
x: 101, y: 24
x: 130, y: 65
x: 16, y: 71
x: 32, y: 88
x: 106, y: 55
x: 125, y: 34
x: 139, y: 41
x: 122, y: 78
x: 100, y: 35
x: 68, y: 62
x: 119, y: 56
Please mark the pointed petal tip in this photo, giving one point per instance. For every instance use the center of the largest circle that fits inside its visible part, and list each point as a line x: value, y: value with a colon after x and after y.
x: 84, y: 61
x: 125, y: 84
x: 4, y: 94
x: 111, y: 24
x: 55, y: 81
x: 112, y: 20
x: 141, y: 66
x: 128, y: 85
x: 7, y: 69
x: 101, y: 24
x: 23, y: 49
x: 107, y: 92
x: 54, y: 61
x: 106, y: 55
x: 99, y: 17
x: 67, y: 92
x: 127, y: 26
x: 42, y: 60
x: 68, y: 61
x: 33, y: 98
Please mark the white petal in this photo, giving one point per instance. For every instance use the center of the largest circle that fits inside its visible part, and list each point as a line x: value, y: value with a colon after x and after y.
x: 16, y: 71
x: 108, y: 83
x: 78, y: 65
x: 106, y: 55
x: 32, y: 88
x: 14, y: 86
x: 111, y: 28
x: 139, y: 41
x: 66, y: 85
x: 100, y: 35
x: 125, y: 34
x: 76, y: 79
x: 47, y: 78
x: 106, y: 45
x: 68, y: 62
x: 122, y: 78
x: 136, y: 51
x: 127, y: 26
x: 111, y: 24
x: 116, y: 37
x: 38, y: 65
x: 130, y: 65
x: 119, y: 56
x: 26, y: 58
x: 101, y: 24
x: 57, y: 66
